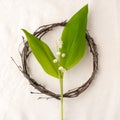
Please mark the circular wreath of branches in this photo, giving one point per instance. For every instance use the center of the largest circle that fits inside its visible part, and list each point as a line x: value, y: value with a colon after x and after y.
x: 42, y: 30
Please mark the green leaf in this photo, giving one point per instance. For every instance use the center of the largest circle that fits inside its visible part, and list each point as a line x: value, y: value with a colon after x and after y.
x: 43, y: 54
x: 73, y: 38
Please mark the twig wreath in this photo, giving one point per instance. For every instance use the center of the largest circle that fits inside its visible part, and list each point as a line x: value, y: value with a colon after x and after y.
x: 42, y: 30
x: 56, y: 65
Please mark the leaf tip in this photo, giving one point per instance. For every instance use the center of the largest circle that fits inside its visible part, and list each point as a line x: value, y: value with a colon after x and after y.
x: 86, y: 7
x: 27, y: 34
x: 25, y: 31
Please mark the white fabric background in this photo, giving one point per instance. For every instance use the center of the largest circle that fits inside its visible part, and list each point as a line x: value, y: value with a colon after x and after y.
x: 101, y: 101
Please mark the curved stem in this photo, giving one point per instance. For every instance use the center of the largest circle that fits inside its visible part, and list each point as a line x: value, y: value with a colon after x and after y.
x: 61, y: 95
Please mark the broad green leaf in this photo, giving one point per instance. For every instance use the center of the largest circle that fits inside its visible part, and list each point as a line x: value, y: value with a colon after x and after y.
x: 43, y: 54
x: 73, y: 38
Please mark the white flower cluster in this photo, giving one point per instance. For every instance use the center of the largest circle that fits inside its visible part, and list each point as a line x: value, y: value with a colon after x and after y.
x: 63, y: 55
x: 61, y: 69
x: 59, y: 44
x: 58, y: 54
x: 55, y: 61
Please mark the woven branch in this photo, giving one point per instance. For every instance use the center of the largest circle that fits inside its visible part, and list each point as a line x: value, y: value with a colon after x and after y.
x: 71, y: 93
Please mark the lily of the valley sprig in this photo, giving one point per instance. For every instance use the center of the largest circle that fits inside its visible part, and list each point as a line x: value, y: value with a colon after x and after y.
x: 71, y: 49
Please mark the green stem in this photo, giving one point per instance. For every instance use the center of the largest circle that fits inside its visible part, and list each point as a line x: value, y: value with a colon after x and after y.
x: 61, y: 95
